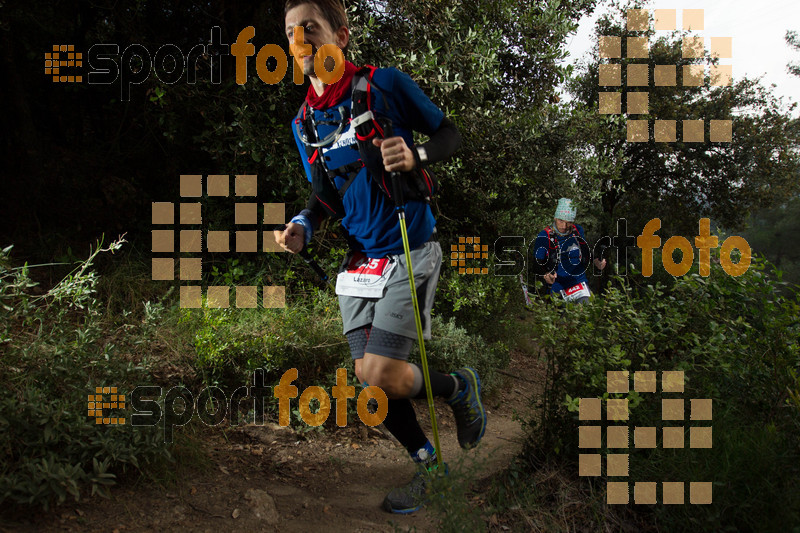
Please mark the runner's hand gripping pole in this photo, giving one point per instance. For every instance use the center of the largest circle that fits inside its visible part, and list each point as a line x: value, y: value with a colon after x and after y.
x: 397, y: 193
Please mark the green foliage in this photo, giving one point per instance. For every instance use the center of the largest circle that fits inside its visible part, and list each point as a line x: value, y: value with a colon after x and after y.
x: 57, y: 351
x: 477, y: 302
x: 450, y: 497
x: 452, y: 347
x: 736, y: 339
x: 753, y: 468
x: 475, y: 52
x: 230, y: 343
x: 772, y: 232
x: 794, y: 42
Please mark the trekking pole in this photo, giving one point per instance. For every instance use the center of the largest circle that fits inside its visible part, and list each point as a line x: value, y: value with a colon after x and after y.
x: 525, y: 290
x: 314, y: 266
x: 397, y: 192
x: 310, y: 260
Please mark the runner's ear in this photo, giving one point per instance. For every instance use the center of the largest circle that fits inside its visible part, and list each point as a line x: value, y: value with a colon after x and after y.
x: 342, y: 37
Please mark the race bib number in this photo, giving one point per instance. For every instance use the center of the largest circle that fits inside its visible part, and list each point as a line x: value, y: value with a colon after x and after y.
x: 577, y: 291
x: 364, y: 277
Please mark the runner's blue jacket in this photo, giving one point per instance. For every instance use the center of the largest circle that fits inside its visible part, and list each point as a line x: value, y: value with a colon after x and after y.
x: 369, y: 215
x: 571, y: 264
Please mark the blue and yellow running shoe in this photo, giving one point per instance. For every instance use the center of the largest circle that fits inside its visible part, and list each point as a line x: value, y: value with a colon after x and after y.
x: 468, y: 409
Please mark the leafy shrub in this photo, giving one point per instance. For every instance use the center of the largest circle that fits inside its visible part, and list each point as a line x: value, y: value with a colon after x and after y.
x: 738, y: 341
x: 753, y: 468
x: 451, y: 347
x: 478, y: 303
x: 55, y: 355
x: 231, y: 343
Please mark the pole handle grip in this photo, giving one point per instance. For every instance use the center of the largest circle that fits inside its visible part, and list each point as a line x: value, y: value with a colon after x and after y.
x: 395, y: 177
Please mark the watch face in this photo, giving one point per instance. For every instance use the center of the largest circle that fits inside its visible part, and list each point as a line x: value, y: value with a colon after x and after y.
x: 423, y: 154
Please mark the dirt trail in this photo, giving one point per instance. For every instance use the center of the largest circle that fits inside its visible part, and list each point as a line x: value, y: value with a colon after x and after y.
x: 267, y: 478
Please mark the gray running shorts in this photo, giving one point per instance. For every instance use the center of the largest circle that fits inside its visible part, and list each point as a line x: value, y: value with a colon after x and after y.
x: 394, y: 312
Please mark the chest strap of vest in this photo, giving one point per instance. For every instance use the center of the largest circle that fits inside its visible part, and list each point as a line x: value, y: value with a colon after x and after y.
x: 309, y: 133
x: 349, y: 172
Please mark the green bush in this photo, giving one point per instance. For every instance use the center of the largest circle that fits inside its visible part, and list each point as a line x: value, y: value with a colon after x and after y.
x: 753, y: 468
x: 231, y: 343
x: 738, y: 341
x: 451, y: 347
x: 478, y: 303
x: 57, y: 351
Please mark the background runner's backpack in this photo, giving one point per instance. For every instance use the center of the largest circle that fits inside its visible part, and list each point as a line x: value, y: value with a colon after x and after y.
x: 418, y: 184
x: 552, y: 241
x: 554, y: 251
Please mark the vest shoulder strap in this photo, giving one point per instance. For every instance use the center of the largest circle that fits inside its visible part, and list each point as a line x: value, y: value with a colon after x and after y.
x: 366, y: 125
x: 553, y: 240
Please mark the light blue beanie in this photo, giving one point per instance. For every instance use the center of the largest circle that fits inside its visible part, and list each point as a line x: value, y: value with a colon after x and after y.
x: 564, y: 210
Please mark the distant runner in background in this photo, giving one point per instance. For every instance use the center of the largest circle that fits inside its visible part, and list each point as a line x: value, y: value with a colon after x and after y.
x: 561, y: 255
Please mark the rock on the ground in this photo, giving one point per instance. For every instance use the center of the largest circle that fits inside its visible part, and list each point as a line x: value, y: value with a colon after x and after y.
x: 262, y: 505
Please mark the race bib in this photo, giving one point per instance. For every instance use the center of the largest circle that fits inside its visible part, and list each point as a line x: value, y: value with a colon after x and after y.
x: 364, y: 277
x: 577, y: 291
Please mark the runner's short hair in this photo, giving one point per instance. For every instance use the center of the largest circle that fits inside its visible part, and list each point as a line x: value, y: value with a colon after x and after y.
x: 332, y: 11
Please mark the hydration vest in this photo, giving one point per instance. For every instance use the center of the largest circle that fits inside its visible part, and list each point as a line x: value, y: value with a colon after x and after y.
x: 553, y: 247
x: 552, y: 241
x: 418, y: 184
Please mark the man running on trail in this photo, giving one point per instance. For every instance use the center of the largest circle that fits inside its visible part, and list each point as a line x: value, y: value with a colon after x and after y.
x: 561, y: 254
x: 379, y: 321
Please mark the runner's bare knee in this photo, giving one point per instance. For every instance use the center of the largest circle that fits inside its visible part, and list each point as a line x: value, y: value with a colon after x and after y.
x: 391, y: 375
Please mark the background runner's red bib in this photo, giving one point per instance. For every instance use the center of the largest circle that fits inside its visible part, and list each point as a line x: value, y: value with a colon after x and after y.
x: 576, y: 291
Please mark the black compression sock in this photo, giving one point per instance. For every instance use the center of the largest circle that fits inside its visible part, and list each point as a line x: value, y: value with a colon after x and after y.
x: 401, y: 421
x: 442, y: 385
